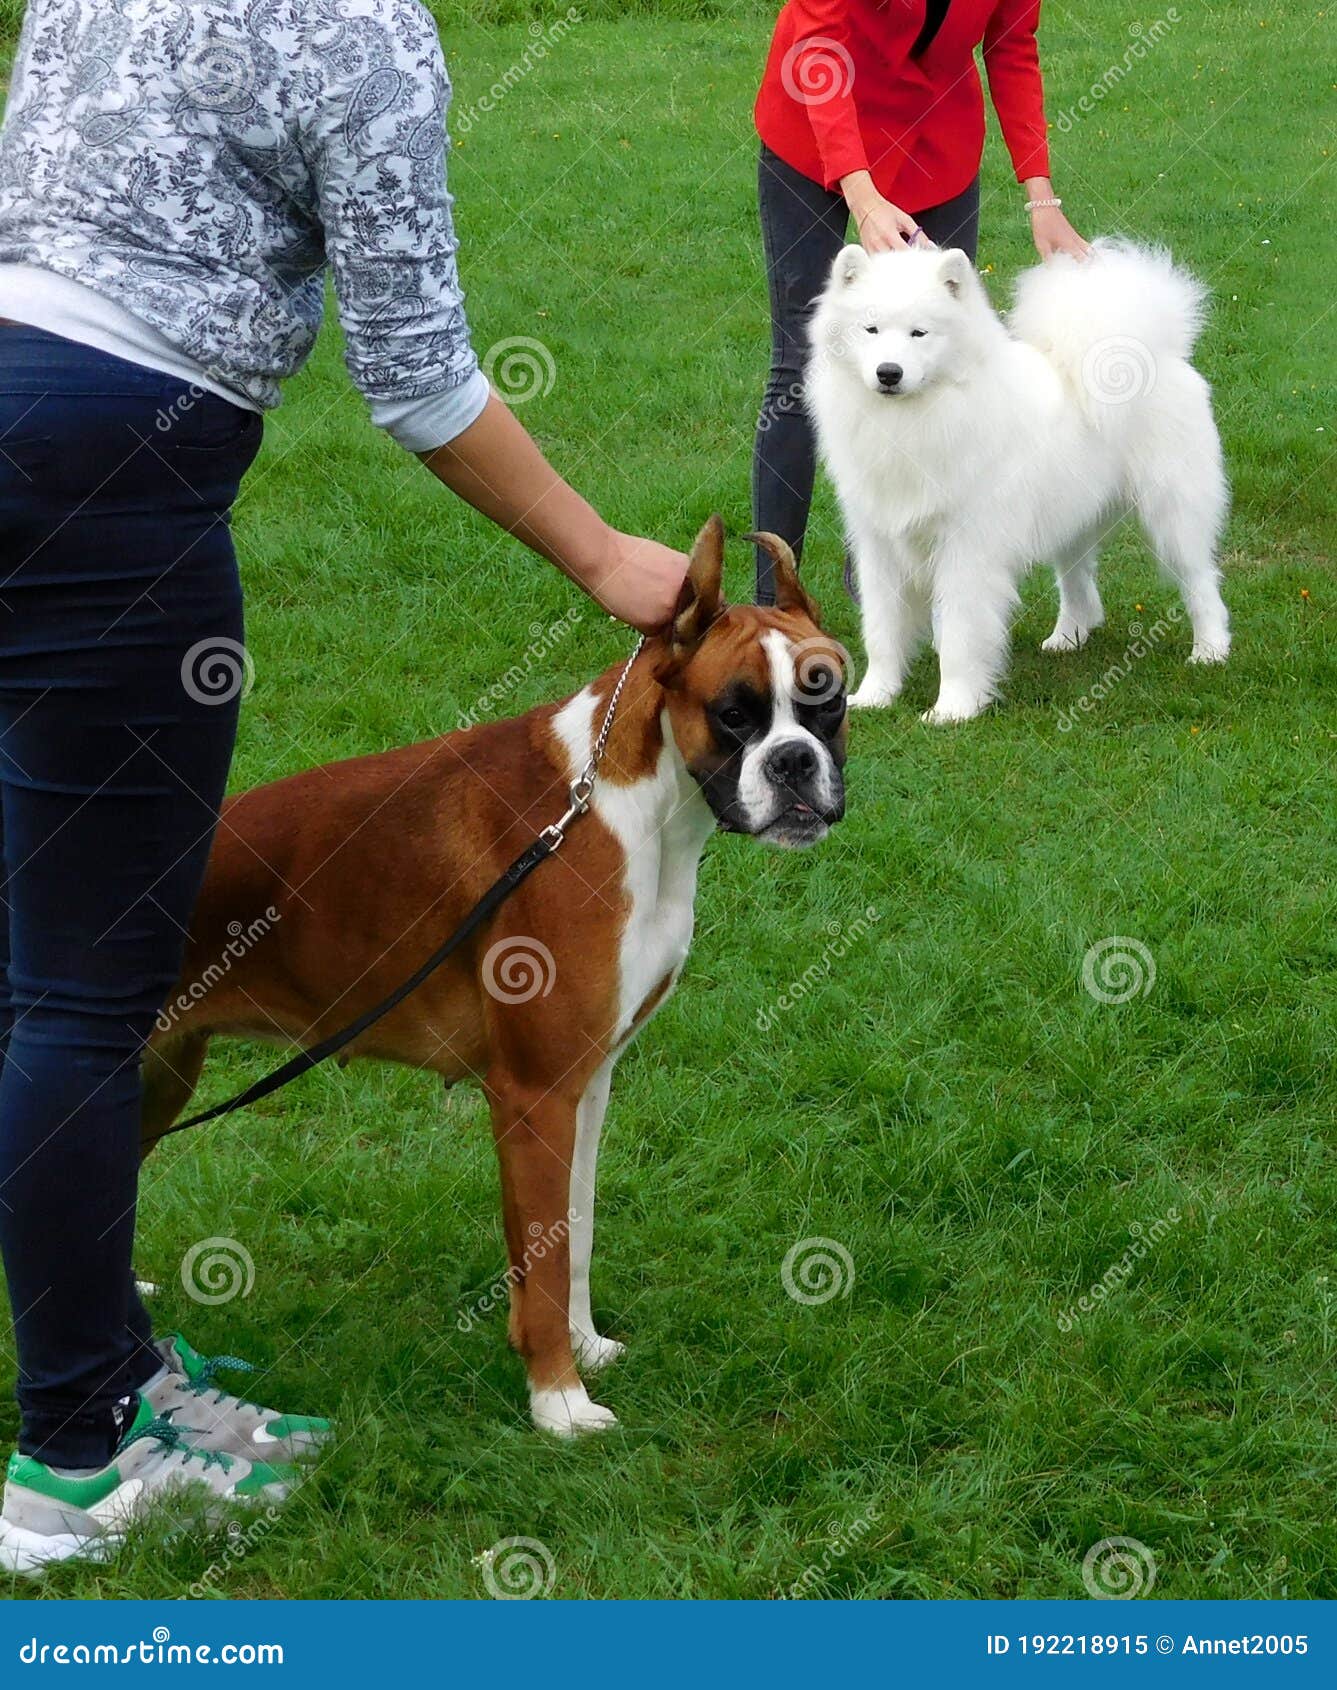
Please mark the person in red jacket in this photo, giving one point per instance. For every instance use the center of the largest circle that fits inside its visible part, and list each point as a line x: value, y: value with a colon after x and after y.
x: 872, y: 110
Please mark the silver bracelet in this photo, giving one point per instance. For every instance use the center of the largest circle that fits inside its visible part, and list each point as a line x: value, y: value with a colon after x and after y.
x: 1040, y: 205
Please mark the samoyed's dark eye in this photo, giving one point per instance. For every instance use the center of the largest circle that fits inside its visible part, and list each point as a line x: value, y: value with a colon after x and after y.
x: 918, y: 334
x: 870, y: 328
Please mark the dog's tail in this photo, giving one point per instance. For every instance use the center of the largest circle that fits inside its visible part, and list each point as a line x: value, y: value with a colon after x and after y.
x: 1109, y: 323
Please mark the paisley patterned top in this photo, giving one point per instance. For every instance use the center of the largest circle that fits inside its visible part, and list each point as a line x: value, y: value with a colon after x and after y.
x: 200, y: 162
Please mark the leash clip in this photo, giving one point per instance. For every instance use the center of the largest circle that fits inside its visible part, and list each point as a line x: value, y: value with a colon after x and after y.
x: 581, y: 790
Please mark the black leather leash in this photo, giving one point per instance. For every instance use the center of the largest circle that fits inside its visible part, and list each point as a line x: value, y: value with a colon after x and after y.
x: 550, y: 840
x: 306, y: 1060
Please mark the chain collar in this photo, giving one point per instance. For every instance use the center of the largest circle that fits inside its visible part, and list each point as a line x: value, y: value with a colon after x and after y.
x: 582, y: 788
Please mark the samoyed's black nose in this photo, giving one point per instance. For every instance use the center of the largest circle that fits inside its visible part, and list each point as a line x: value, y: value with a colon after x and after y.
x: 889, y: 376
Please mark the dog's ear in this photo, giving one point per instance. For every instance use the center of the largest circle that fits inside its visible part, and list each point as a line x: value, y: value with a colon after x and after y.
x: 699, y: 601
x: 955, y: 270
x: 850, y: 264
x: 789, y: 590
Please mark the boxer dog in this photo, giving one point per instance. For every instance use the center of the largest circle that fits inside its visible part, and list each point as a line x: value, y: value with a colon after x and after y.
x: 344, y: 878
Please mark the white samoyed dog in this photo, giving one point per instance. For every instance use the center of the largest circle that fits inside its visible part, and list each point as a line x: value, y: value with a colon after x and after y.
x: 964, y: 450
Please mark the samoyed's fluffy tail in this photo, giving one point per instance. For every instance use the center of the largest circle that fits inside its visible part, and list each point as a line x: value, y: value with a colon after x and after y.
x: 1109, y: 323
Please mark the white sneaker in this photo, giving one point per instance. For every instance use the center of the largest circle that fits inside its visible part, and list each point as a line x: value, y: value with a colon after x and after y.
x: 50, y: 1516
x: 209, y: 1418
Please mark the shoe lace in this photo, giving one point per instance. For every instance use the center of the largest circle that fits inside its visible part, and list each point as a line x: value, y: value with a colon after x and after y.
x: 206, y: 1379
x: 164, y: 1432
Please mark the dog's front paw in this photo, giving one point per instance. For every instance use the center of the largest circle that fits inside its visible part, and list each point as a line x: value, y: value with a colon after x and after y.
x: 593, y: 1352
x: 1067, y: 636
x: 872, y: 695
x: 1210, y: 651
x: 569, y: 1413
x: 954, y: 710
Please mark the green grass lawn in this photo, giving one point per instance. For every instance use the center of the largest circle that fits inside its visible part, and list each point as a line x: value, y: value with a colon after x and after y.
x: 943, y: 1100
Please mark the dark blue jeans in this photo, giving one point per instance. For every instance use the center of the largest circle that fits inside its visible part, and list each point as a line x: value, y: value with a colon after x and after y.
x: 120, y: 674
x: 803, y: 227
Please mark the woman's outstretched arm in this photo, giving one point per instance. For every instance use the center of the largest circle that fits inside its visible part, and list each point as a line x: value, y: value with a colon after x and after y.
x: 497, y: 468
x: 390, y: 239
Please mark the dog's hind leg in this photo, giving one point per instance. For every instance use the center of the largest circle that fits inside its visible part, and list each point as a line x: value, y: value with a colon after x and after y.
x: 1177, y: 485
x: 1182, y: 533
x: 170, y: 1074
x: 592, y: 1351
x: 1079, y: 607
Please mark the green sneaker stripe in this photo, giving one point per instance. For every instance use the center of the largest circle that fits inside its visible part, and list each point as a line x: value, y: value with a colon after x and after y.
x: 192, y: 1362
x: 143, y: 1414
x: 83, y: 1493
x: 262, y: 1475
x: 287, y: 1425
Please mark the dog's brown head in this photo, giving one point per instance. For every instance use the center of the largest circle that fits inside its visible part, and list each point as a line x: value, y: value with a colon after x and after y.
x: 756, y: 700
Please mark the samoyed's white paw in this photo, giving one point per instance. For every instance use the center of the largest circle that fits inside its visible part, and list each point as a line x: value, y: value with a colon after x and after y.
x: 1210, y: 651
x: 1067, y: 636
x: 595, y: 1352
x: 569, y: 1414
x: 954, y: 710
x: 872, y: 695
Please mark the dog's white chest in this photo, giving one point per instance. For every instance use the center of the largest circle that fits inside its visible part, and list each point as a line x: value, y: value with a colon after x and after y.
x: 660, y: 882
x: 662, y: 824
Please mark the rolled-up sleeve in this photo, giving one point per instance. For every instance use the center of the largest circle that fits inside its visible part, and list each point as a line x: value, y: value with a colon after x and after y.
x: 377, y: 150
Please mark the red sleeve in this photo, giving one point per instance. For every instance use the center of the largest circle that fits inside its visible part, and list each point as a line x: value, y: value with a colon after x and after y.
x: 1012, y: 61
x: 818, y: 74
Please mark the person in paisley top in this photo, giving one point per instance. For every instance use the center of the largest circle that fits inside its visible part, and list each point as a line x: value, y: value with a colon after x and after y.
x: 175, y: 181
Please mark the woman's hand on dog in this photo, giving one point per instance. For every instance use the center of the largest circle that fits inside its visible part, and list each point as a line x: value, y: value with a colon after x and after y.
x: 882, y: 226
x: 1050, y: 229
x: 640, y: 582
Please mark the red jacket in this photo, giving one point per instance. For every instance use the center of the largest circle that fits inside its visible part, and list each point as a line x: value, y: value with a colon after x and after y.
x: 842, y: 93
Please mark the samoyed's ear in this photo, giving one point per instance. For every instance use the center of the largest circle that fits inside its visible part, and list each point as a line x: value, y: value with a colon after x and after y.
x: 850, y: 264
x: 954, y: 270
